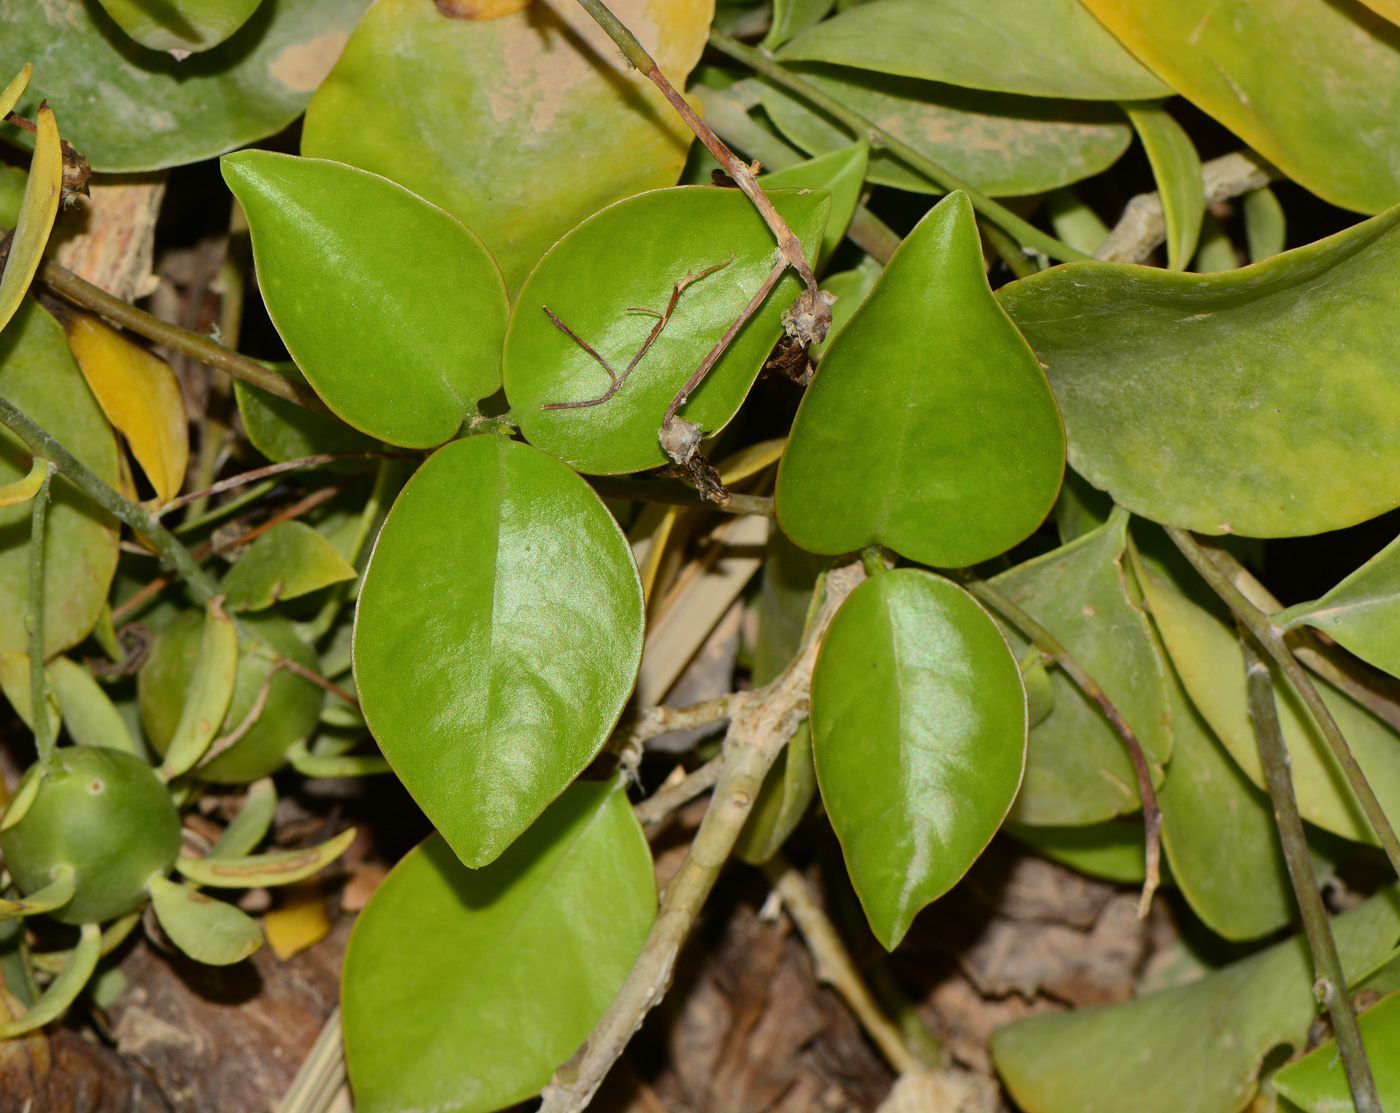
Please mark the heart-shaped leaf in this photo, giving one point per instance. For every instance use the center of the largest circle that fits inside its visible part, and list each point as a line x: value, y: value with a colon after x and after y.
x: 605, y: 281
x: 180, y: 27
x: 291, y: 559
x: 919, y: 733
x: 1195, y: 1048
x: 520, y: 126
x: 1054, y: 49
x: 1313, y: 86
x: 1077, y: 769
x: 498, y: 636
x: 465, y: 989
x: 427, y: 300
x: 1002, y: 144
x: 1177, y: 168
x: 1317, y: 1083
x: 39, y: 376
x: 129, y: 109
x: 1229, y: 403
x: 929, y: 426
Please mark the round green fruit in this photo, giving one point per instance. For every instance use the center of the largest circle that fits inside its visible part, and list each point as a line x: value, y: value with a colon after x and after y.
x: 105, y: 814
x: 290, y: 714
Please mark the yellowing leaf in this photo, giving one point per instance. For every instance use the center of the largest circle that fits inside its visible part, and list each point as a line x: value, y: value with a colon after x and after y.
x: 140, y: 396
x: 297, y: 925
x: 15, y: 89
x: 1388, y: 8
x: 22, y: 490
x: 36, y: 214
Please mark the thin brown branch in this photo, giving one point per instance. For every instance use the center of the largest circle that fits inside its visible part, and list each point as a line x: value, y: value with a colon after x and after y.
x: 1330, y: 986
x: 762, y: 723
x: 673, y: 493
x: 1051, y: 646
x: 319, y: 680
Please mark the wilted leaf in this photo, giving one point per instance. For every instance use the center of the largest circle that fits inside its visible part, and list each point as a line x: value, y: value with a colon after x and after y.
x: 257, y: 871
x: 208, y: 930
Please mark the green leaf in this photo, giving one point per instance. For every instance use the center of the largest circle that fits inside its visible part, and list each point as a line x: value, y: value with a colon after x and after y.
x: 792, y: 17
x: 53, y: 895
x: 1216, y: 251
x: 1229, y: 403
x: 13, y: 180
x: 252, y: 823
x: 1078, y: 770
x: 310, y: 764
x: 790, y: 576
x: 919, y: 734
x: 207, y: 695
x: 520, y: 126
x: 289, y: 560
x: 465, y: 989
x: 1317, y: 1083
x: 1265, y: 226
x: 64, y: 989
x: 208, y: 930
x: 283, y: 431
x: 999, y: 143
x: 628, y: 258
x: 180, y: 27
x: 1361, y: 612
x: 259, y: 871
x: 1313, y: 87
x: 498, y: 636
x: 782, y: 800
x: 288, y: 712
x: 1080, y: 509
x: 39, y: 376
x: 1177, y: 168
x: 427, y: 299
x: 30, y: 235
x: 1208, y: 658
x: 88, y: 712
x: 1112, y: 850
x: 929, y: 426
x: 1011, y: 46
x: 1196, y: 1048
x: 842, y: 174
x: 1075, y: 222
x: 128, y: 109
x: 15, y: 680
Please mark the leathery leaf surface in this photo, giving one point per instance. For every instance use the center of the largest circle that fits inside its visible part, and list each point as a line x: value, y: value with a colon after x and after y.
x: 919, y: 734
x: 928, y: 427
x: 498, y: 636
x: 465, y: 989
x: 1244, y: 402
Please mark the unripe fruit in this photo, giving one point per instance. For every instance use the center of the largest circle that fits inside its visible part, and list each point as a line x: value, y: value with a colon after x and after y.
x: 105, y: 814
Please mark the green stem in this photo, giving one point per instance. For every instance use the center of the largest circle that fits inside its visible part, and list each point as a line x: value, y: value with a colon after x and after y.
x: 1271, y: 638
x: 38, y: 682
x: 1330, y: 986
x: 762, y: 63
x: 1050, y: 645
x: 1009, y: 250
x: 133, y: 514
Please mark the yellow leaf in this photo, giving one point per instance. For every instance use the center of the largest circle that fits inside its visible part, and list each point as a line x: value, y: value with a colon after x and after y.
x: 140, y: 396
x: 36, y: 214
x: 22, y: 490
x: 298, y: 924
x: 15, y: 89
x: 1388, y: 8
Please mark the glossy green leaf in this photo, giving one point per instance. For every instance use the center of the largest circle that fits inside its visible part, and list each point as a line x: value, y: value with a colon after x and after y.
x: 792, y: 17
x: 208, y: 930
x: 88, y: 712
x: 39, y: 375
x: 422, y: 353
x: 1113, y: 850
x: 786, y: 793
x: 851, y: 288
x: 1265, y: 226
x: 998, y: 143
x: 1210, y: 662
x: 36, y: 217
x: 520, y: 126
x: 941, y: 441
x: 207, y: 695
x: 1317, y: 1083
x: 1362, y: 612
x: 64, y: 989
x: 464, y: 989
x: 180, y: 27
x: 1077, y: 769
x: 1177, y: 168
x: 1075, y: 222
x: 498, y: 636
x: 129, y: 109
x: 282, y: 430
x: 252, y: 823
x: 1312, y: 85
x: 1195, y: 1048
x: 288, y: 712
x: 1041, y: 48
x: 258, y: 871
x: 919, y: 734
x: 289, y: 560
x: 1245, y: 402
x: 842, y: 174
x: 628, y: 258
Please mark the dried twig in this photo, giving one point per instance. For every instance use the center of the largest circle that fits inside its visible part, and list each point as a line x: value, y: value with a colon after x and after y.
x: 652, y: 811
x: 244, y: 478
